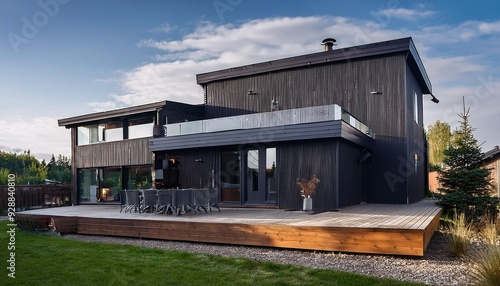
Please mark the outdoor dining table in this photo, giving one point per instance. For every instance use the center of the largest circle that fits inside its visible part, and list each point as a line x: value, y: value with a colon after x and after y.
x: 172, y: 201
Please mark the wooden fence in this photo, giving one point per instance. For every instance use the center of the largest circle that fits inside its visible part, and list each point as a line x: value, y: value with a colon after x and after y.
x: 36, y: 196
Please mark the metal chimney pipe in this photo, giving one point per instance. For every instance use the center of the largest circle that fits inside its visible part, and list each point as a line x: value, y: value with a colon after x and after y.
x: 329, y: 43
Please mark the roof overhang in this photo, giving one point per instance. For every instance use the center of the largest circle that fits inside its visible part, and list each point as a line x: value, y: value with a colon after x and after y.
x: 117, y: 113
x: 335, y: 129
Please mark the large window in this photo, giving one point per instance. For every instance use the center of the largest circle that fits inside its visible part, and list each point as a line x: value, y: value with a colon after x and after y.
x: 111, y: 182
x: 88, y: 185
x: 89, y: 134
x: 270, y: 174
x: 105, y: 132
x: 140, y: 128
x: 99, y: 184
x: 139, y: 177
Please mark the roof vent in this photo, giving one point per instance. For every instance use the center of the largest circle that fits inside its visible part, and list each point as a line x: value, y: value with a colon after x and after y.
x: 329, y: 43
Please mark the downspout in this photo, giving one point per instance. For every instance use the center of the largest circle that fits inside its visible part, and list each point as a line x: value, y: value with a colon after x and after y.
x: 406, y: 126
x: 337, y: 172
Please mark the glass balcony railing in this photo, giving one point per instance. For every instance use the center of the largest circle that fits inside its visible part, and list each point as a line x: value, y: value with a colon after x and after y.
x: 266, y: 119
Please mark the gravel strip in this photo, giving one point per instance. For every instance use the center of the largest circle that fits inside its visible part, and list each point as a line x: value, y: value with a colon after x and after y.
x: 436, y: 267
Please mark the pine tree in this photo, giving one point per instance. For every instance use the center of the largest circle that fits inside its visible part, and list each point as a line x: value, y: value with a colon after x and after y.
x: 465, y: 183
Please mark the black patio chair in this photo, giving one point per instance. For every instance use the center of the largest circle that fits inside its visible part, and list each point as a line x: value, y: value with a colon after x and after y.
x: 123, y: 199
x: 184, y: 201
x: 201, y: 200
x: 213, y: 200
x: 166, y: 201
x: 133, y: 201
x: 149, y: 200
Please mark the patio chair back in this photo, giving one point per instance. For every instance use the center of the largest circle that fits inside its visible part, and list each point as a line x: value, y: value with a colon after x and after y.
x: 166, y: 201
x: 149, y: 200
x: 184, y: 200
x: 213, y: 200
x: 133, y: 201
x: 201, y: 199
x: 123, y: 199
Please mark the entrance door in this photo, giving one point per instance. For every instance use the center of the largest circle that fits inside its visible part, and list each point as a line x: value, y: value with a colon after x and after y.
x: 259, y: 173
x: 253, y: 192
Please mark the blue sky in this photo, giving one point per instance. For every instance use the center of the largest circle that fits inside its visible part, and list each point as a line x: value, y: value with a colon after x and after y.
x: 62, y: 58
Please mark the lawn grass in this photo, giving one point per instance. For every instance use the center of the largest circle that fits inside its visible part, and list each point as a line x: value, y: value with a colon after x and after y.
x: 51, y: 260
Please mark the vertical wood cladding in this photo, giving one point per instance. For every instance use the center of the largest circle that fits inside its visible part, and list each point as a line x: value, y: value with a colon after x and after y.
x: 302, y: 160
x: 416, y: 153
x: 110, y: 154
x: 352, y: 181
x: 190, y: 171
x: 348, y: 84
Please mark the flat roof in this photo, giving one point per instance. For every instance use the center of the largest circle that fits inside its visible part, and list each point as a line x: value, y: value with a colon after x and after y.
x: 151, y: 107
x: 356, y: 52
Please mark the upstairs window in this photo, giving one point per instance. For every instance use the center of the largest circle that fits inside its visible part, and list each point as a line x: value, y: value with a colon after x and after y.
x: 140, y: 128
x: 415, y: 107
x: 105, y: 132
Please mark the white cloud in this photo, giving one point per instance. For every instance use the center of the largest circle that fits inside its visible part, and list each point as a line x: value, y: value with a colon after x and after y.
x: 451, y: 69
x: 103, y: 106
x: 163, y: 28
x: 38, y: 134
x: 405, y: 14
x: 211, y: 47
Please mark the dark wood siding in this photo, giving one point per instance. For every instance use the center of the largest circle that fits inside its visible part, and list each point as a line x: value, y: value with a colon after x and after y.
x: 348, y: 84
x: 352, y: 175
x: 302, y: 160
x: 190, y: 171
x: 111, y: 154
x: 416, y: 142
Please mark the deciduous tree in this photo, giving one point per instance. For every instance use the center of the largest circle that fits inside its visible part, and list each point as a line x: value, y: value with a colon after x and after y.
x: 439, y: 137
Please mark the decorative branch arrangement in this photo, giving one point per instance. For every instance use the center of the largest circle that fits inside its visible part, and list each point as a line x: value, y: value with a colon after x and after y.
x: 307, y: 188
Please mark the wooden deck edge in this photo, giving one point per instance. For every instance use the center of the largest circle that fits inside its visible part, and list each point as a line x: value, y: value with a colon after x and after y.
x: 354, y: 240
x: 431, y: 228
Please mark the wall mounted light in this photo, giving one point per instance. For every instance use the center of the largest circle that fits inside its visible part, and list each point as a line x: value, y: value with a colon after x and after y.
x: 374, y: 91
x: 251, y: 92
x: 274, y: 105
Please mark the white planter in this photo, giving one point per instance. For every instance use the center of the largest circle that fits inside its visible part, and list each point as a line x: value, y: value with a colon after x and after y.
x: 307, y: 204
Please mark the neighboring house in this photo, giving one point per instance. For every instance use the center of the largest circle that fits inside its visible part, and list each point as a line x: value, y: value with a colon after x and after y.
x: 491, y: 160
x: 352, y: 116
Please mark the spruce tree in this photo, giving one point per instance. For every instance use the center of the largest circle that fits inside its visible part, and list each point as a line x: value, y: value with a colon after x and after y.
x: 464, y: 182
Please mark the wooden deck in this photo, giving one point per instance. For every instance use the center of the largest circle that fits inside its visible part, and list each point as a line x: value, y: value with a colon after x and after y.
x: 367, y: 228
